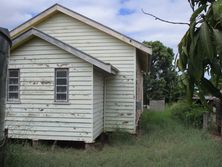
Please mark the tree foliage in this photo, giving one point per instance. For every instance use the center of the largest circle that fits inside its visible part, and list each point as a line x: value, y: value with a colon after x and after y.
x: 200, y: 50
x: 162, y: 81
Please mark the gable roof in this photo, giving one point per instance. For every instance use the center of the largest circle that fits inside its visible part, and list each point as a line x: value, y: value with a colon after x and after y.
x: 84, y: 56
x: 58, y: 8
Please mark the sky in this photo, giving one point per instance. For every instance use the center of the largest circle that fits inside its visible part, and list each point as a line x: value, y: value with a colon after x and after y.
x: 124, y: 16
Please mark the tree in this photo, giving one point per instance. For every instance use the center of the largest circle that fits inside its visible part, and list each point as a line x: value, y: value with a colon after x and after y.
x: 162, y: 81
x: 200, y: 50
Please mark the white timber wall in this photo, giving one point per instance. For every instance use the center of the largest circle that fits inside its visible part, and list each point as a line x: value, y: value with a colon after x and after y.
x: 120, y: 90
x: 37, y: 116
x: 98, y: 99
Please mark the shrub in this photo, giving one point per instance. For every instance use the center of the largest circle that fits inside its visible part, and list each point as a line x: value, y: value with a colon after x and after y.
x: 188, y: 114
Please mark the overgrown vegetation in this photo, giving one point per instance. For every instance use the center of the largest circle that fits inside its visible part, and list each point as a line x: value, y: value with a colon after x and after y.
x: 190, y: 115
x: 162, y: 141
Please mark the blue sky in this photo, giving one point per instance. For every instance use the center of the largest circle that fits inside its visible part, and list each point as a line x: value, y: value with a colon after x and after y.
x: 126, y: 11
x: 124, y: 16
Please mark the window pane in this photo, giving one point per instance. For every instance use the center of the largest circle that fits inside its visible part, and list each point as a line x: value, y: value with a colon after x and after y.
x: 13, y: 96
x: 61, y: 73
x: 61, y: 96
x: 13, y: 73
x: 13, y: 88
x: 13, y: 84
x: 61, y: 82
x: 13, y: 81
x: 61, y: 88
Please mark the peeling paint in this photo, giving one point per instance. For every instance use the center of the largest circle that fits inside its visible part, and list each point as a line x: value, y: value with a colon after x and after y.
x: 46, y: 82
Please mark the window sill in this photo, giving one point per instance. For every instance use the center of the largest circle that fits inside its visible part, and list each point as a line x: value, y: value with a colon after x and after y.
x: 61, y: 103
x: 13, y: 102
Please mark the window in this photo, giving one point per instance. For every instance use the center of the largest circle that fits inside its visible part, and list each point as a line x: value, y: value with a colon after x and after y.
x: 61, y: 84
x: 13, y: 85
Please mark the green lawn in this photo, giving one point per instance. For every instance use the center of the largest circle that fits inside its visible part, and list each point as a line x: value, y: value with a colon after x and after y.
x: 162, y: 142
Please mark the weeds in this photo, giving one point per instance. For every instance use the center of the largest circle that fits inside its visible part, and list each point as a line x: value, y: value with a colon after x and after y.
x: 190, y: 115
x: 163, y: 141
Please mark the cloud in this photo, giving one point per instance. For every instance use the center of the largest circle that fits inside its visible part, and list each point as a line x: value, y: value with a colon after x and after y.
x: 124, y: 16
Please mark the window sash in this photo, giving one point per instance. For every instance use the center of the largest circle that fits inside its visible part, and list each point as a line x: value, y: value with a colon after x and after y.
x: 13, y: 85
x: 61, y: 85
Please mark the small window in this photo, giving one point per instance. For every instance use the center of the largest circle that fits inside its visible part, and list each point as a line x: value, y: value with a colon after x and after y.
x: 13, y: 85
x: 61, y: 84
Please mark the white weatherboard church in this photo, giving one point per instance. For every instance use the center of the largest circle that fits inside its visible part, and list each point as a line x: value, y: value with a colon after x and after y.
x: 71, y: 78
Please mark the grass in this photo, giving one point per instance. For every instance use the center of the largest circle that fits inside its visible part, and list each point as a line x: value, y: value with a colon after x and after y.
x: 162, y: 141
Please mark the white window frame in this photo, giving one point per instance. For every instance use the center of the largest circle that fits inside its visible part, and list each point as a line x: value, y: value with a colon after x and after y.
x: 67, y: 85
x: 9, y: 84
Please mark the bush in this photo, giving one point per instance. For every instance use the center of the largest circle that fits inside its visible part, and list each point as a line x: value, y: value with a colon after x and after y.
x: 188, y: 114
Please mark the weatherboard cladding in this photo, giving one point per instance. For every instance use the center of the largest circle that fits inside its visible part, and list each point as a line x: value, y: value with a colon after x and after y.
x: 98, y: 105
x: 59, y: 8
x: 38, y: 116
x: 35, y: 32
x: 139, y: 89
x: 120, y: 89
x: 97, y: 102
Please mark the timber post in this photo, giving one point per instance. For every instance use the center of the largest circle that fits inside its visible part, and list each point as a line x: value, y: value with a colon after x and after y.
x: 205, y: 120
x: 218, y: 105
x: 5, y: 43
x: 221, y: 128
